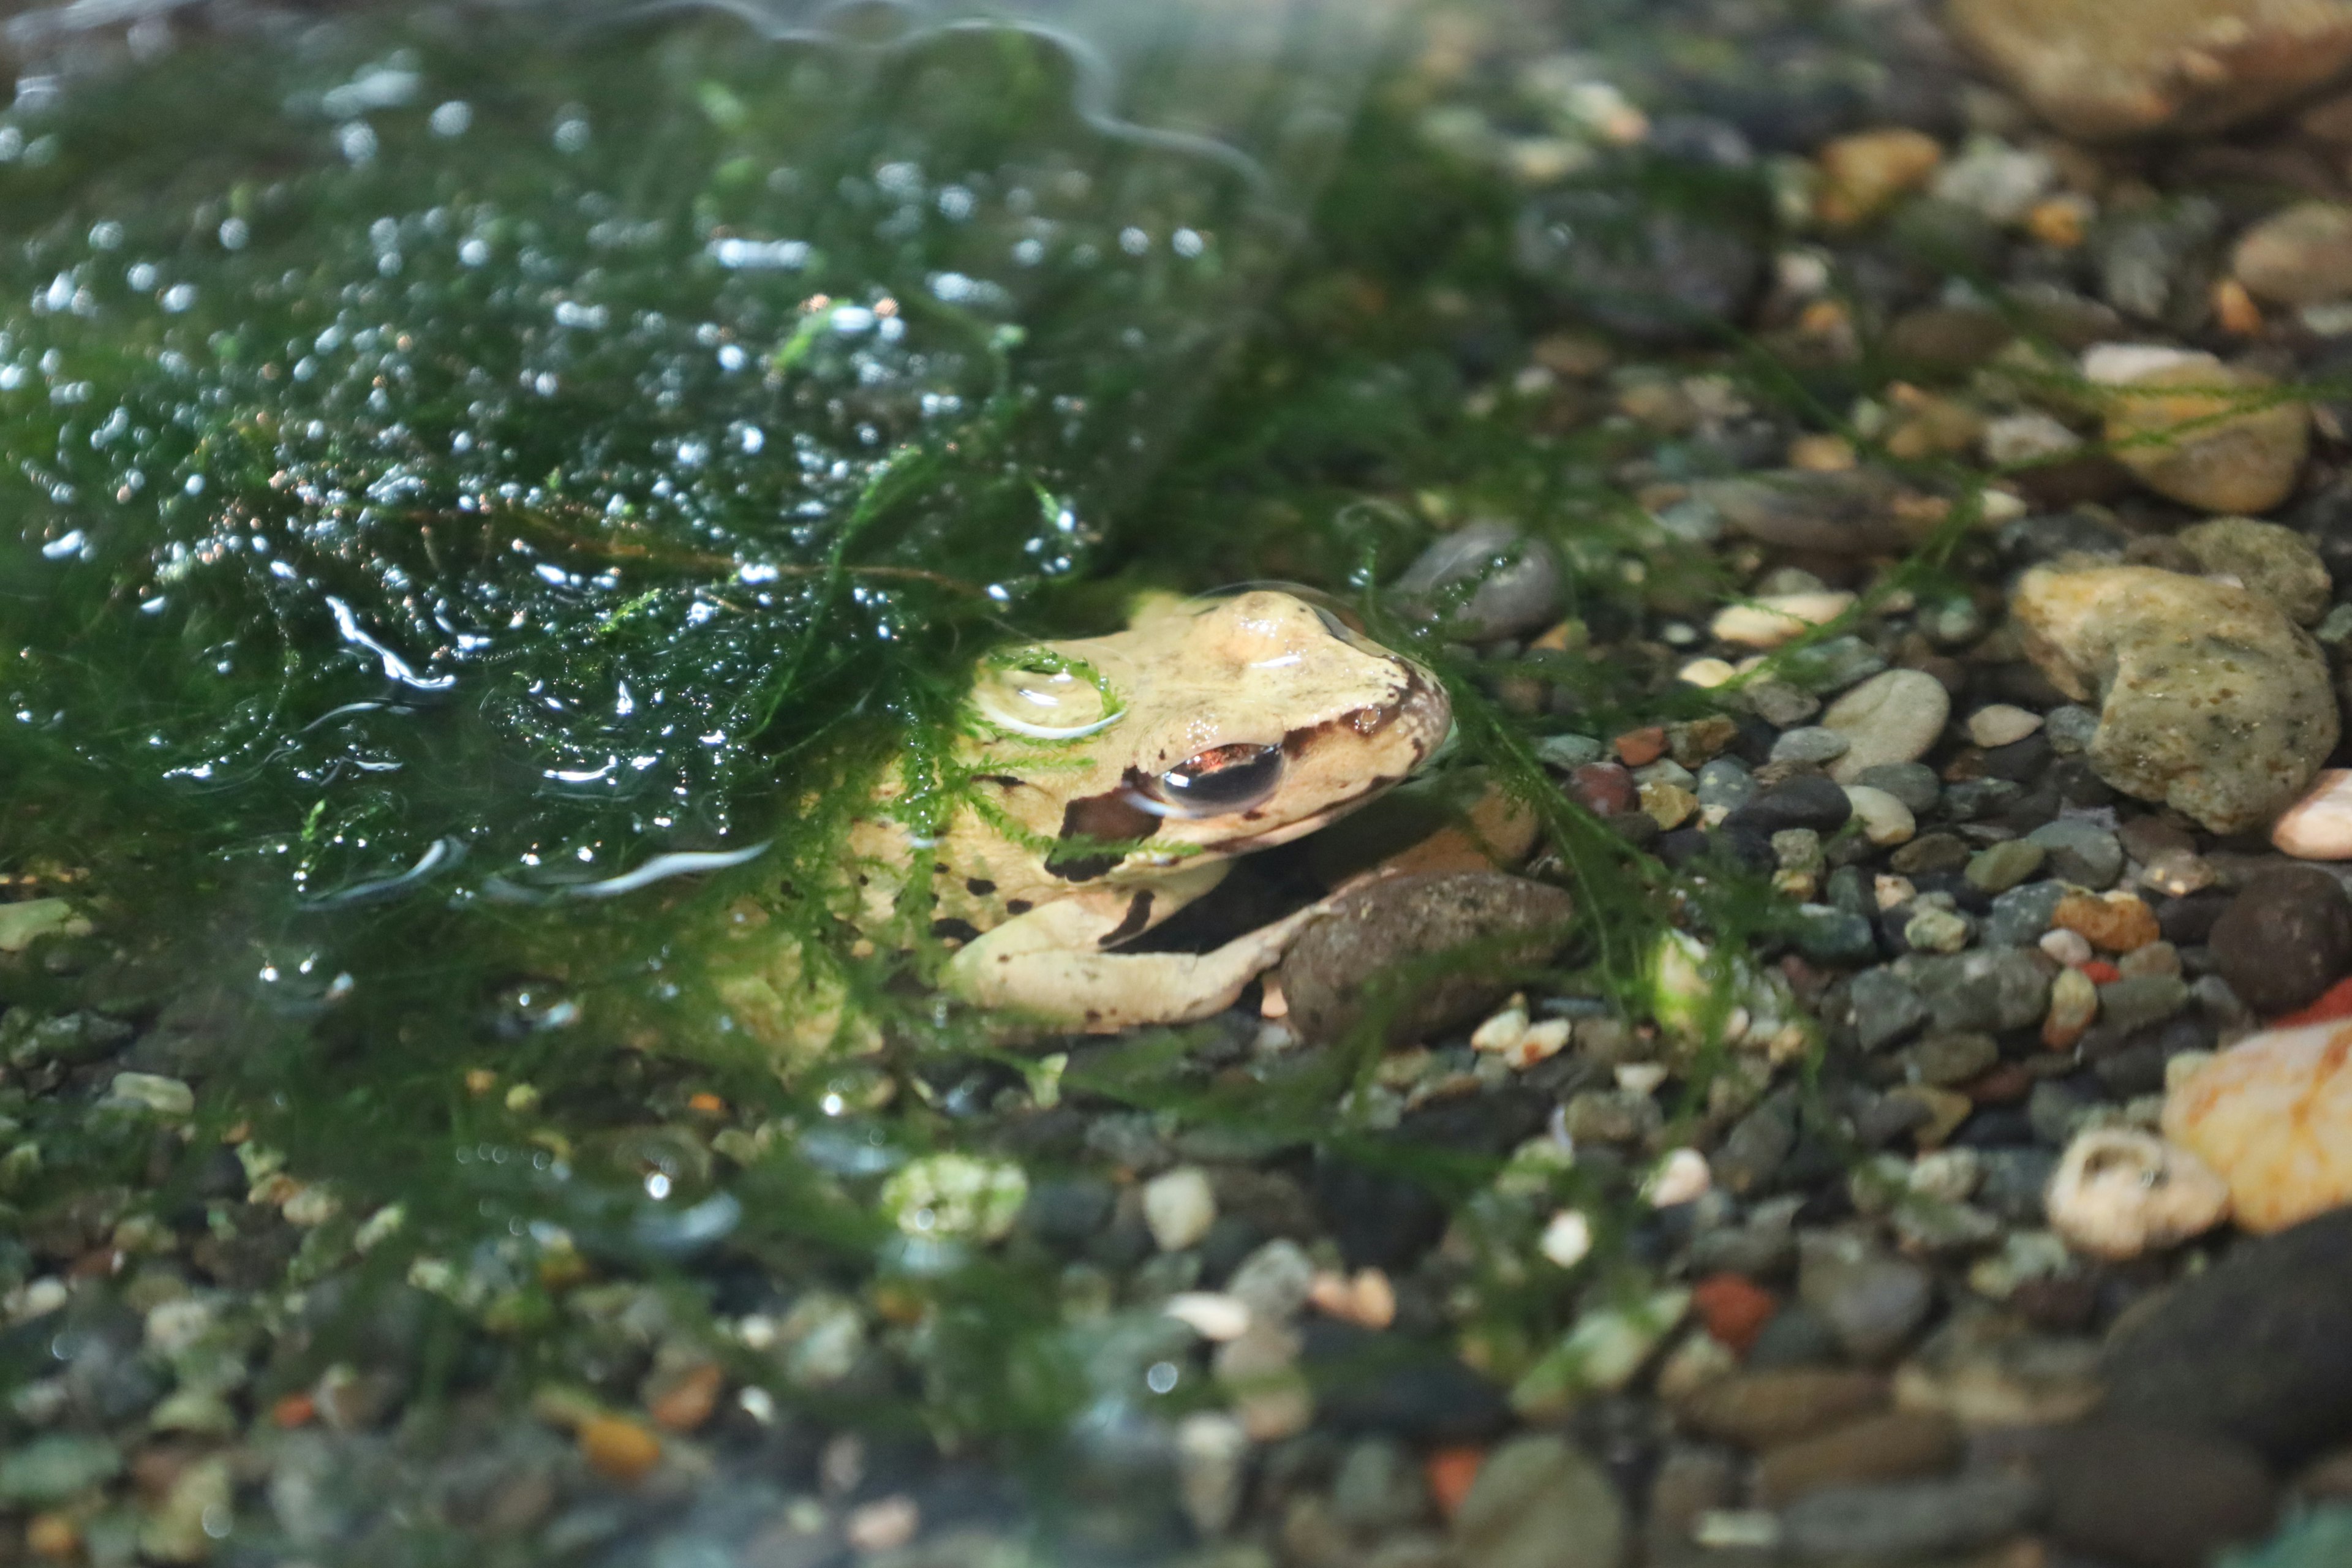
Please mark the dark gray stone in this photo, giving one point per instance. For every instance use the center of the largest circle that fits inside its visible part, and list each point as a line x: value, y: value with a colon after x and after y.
x: 1886, y: 1008
x: 2081, y: 852
x: 2154, y: 1496
x: 1902, y: 1521
x: 1517, y: 578
x: 1914, y: 784
x: 1989, y: 991
x: 2285, y: 939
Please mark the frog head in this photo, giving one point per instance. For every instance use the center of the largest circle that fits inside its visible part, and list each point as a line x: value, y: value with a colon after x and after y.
x: 1209, y: 728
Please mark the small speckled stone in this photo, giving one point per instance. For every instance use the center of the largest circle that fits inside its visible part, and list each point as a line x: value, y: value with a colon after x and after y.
x: 2071, y: 729
x: 2278, y: 564
x: 2001, y: 867
x: 2212, y: 702
x: 2001, y: 724
x: 2073, y: 1005
x: 1893, y: 717
x: 1937, y: 931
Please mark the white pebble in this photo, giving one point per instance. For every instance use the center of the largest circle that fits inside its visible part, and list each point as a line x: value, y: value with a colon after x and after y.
x: 1541, y: 1042
x: 1179, y: 1206
x: 1706, y: 674
x: 2001, y: 724
x: 1211, y: 1448
x: 1950, y: 1174
x: 883, y: 1525
x: 1504, y: 1030
x: 1884, y: 819
x: 1211, y: 1314
x: 2118, y: 1193
x: 2319, y: 826
x: 1776, y: 619
x: 1896, y: 716
x: 1680, y: 1178
x: 1640, y: 1078
x: 1566, y: 1239
x: 2068, y: 947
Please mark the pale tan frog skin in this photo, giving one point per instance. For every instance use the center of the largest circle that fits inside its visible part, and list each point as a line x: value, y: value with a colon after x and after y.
x: 1318, y: 720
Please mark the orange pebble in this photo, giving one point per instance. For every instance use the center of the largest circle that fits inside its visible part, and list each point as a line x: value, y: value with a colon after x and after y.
x: 480, y: 1080
x: 705, y: 1103
x: 2100, y: 972
x: 1450, y: 1472
x: 294, y: 1410
x: 1639, y: 748
x: 688, y: 1400
x: 53, y: 1536
x: 2235, y: 309
x: 1734, y: 1308
x: 2118, y: 922
x: 618, y: 1448
x: 2333, y: 1003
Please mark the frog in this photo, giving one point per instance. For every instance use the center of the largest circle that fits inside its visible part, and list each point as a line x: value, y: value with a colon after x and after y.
x: 1098, y: 786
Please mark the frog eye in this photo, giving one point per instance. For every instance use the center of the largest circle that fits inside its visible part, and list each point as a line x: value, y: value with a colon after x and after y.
x: 1219, y: 780
x: 1044, y: 697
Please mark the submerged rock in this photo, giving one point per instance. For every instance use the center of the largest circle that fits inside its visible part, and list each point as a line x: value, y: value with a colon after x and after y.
x: 2212, y: 702
x: 2097, y: 68
x: 2272, y: 1115
x: 2202, y: 433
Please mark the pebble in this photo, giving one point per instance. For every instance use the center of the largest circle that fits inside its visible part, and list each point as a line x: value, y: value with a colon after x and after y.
x: 2001, y: 724
x: 2081, y: 853
x: 1885, y: 820
x: 1763, y: 1409
x: 1837, y: 513
x: 1872, y: 1301
x: 2268, y: 561
x: 1894, y: 716
x: 1809, y: 744
x: 2098, y: 73
x: 2273, y: 1116
x: 1378, y: 1487
x: 1998, y: 868
x: 1179, y: 1207
x: 1864, y: 173
x: 1211, y: 1453
x: 1539, y: 1501
x: 2154, y: 1496
x: 2300, y: 255
x: 1914, y: 784
x: 2213, y: 701
x: 1808, y: 800
x: 952, y: 1194
x: 149, y: 1091
x: 2285, y: 939
x: 1381, y: 926
x: 1937, y: 931
x: 2118, y: 1193
x: 1734, y: 1308
x: 1944, y: 1061
x: 618, y: 1448
x: 1653, y: 272
x: 1886, y: 1008
x: 1567, y: 1239
x: 1773, y: 619
x: 1896, y: 1445
x: 56, y: 1468
x: 2074, y: 1004
x: 1989, y: 991
x: 2112, y: 922
x: 2319, y: 826
x: 2195, y: 430
x: 1520, y: 596
x: 2258, y: 1347
x: 1274, y: 1281
x: 1905, y: 1522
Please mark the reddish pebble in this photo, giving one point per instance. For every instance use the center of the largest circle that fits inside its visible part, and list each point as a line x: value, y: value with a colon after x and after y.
x: 2333, y: 1003
x: 1734, y: 1308
x: 294, y: 1410
x: 1639, y: 748
x: 1450, y: 1472
x: 1604, y: 789
x: 2100, y: 972
x: 617, y: 1448
x: 2004, y: 1085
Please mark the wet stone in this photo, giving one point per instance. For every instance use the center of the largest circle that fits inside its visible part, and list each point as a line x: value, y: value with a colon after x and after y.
x: 1894, y: 716
x: 1886, y: 1008
x: 1948, y: 1060
x: 2285, y: 938
x: 1763, y: 1409
x: 2081, y: 853
x: 1988, y: 990
x: 1931, y: 852
x: 53, y: 1469
x: 1540, y: 1502
x: 1807, y: 801
x: 1652, y: 271
x: 1874, y: 1301
x: 2019, y: 916
x: 2001, y: 867
x: 1914, y: 784
x: 1902, y: 1521
x: 2154, y: 1496
x: 1517, y: 578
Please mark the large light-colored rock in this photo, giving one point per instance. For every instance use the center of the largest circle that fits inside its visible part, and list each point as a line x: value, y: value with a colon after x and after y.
x: 2265, y: 558
x: 2212, y: 700
x: 2120, y: 68
x: 2200, y: 431
x: 2272, y: 1115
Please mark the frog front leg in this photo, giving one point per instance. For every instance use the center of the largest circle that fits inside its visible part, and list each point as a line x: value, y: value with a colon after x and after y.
x: 1051, y: 963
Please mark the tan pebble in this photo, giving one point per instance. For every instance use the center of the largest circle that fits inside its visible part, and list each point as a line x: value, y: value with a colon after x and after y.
x: 1214, y: 1315
x: 1895, y: 1446
x: 1504, y: 1030
x: 2235, y: 309
x: 2001, y: 724
x: 883, y: 1525
x: 1682, y: 1177
x: 1776, y: 619
x: 2073, y: 1007
x: 686, y: 1400
x: 1864, y: 173
x: 2118, y: 1193
x: 1540, y: 1043
x: 2319, y: 826
x: 2210, y: 434
x: 1884, y: 819
x: 1819, y: 454
x: 1888, y: 890
x: 2113, y: 922
x: 53, y: 1536
x: 1668, y: 805
x: 618, y: 1448
x: 1706, y: 674
x: 2299, y: 256
x: 1896, y: 716
x: 2274, y: 1115
x: 2062, y: 222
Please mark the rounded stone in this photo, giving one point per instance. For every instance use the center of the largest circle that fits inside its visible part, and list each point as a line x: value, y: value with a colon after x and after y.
x: 1518, y: 577
x: 1179, y: 1207
x: 2209, y: 435
x: 2081, y: 852
x: 2274, y: 563
x: 1539, y: 1501
x: 2273, y: 1116
x: 1776, y: 619
x: 1378, y: 929
x: 1896, y: 716
x: 1998, y: 868
x: 1895, y: 1446
x: 2285, y: 938
x: 2319, y: 826
x: 2212, y: 701
x: 2154, y: 1496
x: 2301, y: 255
x: 1885, y: 821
